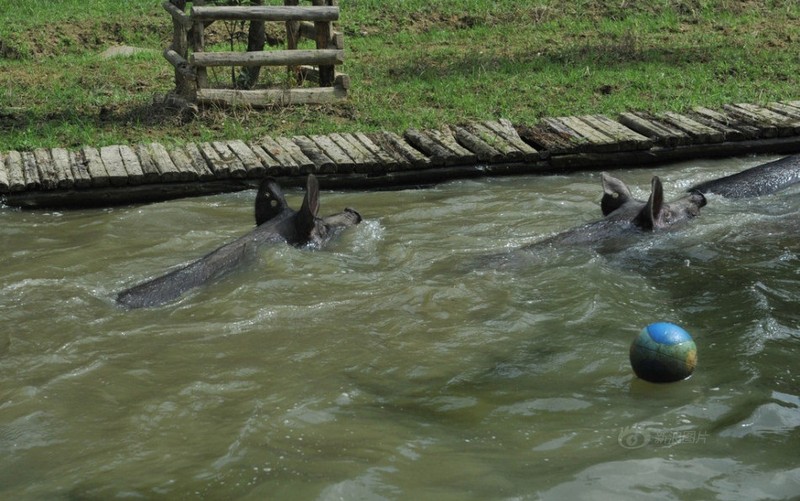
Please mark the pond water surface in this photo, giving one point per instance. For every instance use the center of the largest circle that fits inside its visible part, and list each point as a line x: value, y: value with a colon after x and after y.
x: 397, y: 363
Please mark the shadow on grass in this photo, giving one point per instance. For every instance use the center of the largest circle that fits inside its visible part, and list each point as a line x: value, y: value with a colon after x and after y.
x: 24, y: 128
x: 602, y: 56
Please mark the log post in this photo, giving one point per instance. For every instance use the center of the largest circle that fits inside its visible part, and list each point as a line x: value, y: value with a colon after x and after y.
x: 256, y: 39
x: 199, y: 45
x: 292, y: 38
x: 180, y: 45
x: 323, y: 36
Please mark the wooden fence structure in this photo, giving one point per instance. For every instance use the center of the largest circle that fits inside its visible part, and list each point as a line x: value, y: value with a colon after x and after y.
x: 189, y: 56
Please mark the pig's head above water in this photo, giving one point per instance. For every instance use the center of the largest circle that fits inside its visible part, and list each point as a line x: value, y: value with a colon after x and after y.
x: 627, y: 216
x: 303, y: 227
x: 654, y: 214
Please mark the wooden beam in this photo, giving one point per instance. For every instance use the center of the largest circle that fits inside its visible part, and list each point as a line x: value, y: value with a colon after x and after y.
x: 178, y: 15
x: 268, y: 58
x: 266, y: 13
x: 180, y: 64
x: 271, y: 97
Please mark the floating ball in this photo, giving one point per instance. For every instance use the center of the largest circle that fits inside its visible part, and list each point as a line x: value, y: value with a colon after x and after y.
x: 663, y: 353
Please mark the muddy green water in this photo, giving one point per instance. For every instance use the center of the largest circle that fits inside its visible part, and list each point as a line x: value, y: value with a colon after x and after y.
x: 396, y: 364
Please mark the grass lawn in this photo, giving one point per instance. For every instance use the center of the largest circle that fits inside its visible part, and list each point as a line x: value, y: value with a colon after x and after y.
x: 413, y: 63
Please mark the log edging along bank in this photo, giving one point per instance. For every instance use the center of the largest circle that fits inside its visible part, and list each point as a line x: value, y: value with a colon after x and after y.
x: 123, y: 174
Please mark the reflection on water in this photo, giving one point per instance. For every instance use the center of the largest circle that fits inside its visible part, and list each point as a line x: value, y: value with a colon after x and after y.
x: 399, y: 363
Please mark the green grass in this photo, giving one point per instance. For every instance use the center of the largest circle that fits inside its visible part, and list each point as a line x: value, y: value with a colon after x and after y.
x: 413, y: 64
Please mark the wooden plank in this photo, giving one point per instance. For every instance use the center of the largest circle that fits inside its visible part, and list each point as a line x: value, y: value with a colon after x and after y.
x: 483, y: 150
x: 30, y: 171
x: 403, y: 162
x: 47, y: 172
x: 215, y: 163
x: 169, y: 172
x: 343, y: 161
x: 255, y: 169
x: 269, y: 97
x: 62, y: 168
x: 766, y: 129
x: 150, y: 172
x: 322, y: 162
x: 398, y: 144
x: 80, y: 172
x: 789, y: 104
x: 663, y: 134
x: 184, y: 164
x: 438, y: 154
x: 4, y: 186
x: 504, y: 146
x: 368, y: 157
x: 733, y: 129
x: 506, y: 129
x: 199, y: 162
x: 445, y: 137
x: 112, y: 159
x: 625, y: 138
x: 785, y: 109
x: 280, y: 154
x: 265, y: 13
x: 95, y: 167
x: 271, y: 165
x: 551, y: 142
x: 385, y: 160
x: 701, y: 133
x: 304, y: 163
x: 784, y: 126
x: 577, y: 142
x: 132, y: 165
x: 595, y: 139
x: 362, y: 158
x: 233, y: 167
x: 16, y: 176
x: 316, y: 57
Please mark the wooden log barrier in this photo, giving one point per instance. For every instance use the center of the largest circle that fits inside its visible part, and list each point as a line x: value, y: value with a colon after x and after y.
x: 54, y: 176
x: 271, y: 58
x: 269, y: 97
x: 178, y: 15
x: 266, y: 13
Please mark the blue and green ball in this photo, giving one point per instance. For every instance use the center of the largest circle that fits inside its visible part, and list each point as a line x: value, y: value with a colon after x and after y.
x: 663, y: 353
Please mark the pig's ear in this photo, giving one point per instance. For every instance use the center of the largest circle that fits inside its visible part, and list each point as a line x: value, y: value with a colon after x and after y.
x: 615, y: 194
x: 307, y: 215
x: 651, y: 211
x: 269, y: 201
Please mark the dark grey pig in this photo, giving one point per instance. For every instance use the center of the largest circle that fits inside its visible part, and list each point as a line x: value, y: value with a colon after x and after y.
x: 275, y: 221
x: 627, y: 215
x: 763, y: 179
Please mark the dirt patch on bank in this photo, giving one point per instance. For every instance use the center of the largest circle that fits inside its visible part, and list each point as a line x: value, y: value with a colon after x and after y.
x: 83, y: 36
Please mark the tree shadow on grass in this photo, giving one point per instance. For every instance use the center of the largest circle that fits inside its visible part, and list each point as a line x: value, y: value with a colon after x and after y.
x: 605, y: 56
x: 76, y: 127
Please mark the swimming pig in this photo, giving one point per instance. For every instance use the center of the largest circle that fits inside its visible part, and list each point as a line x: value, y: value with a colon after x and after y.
x: 763, y: 179
x: 626, y: 215
x: 275, y: 221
